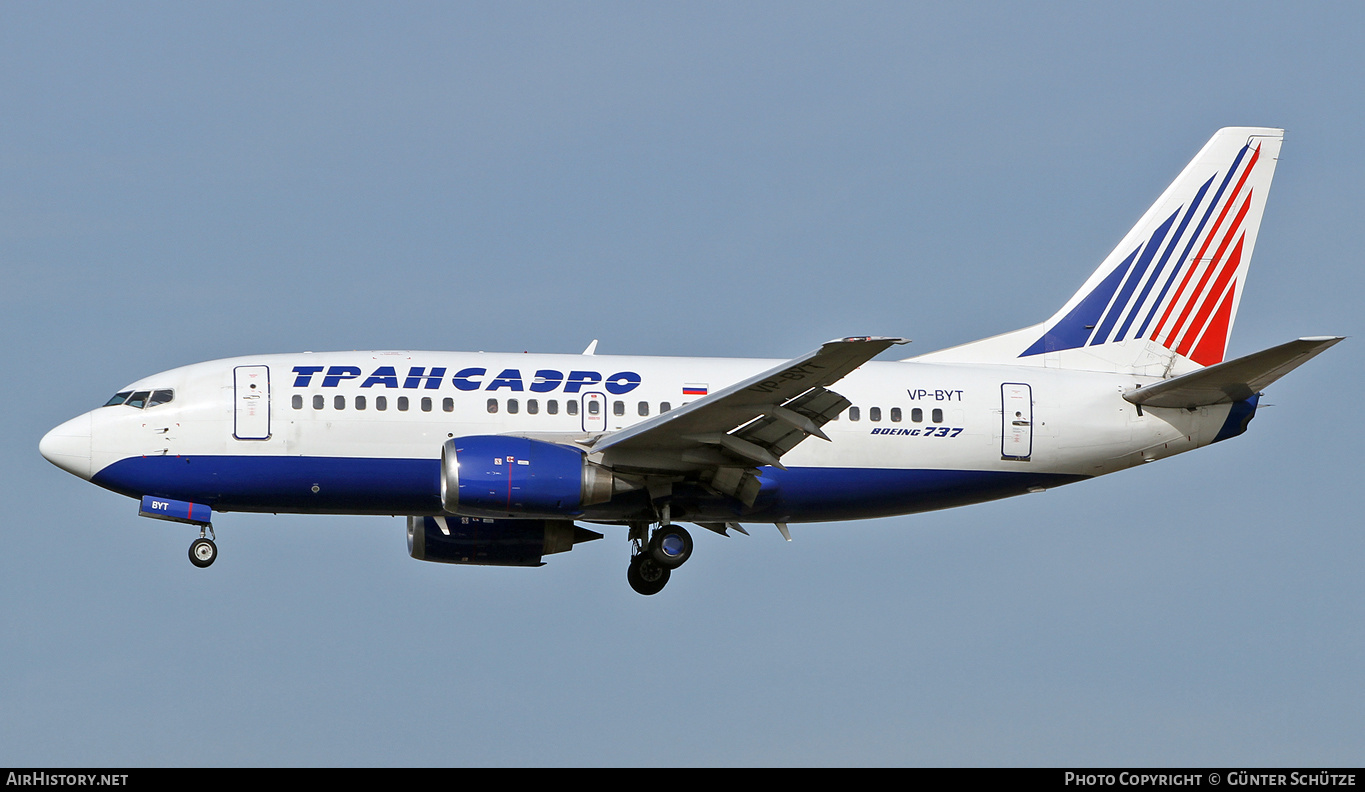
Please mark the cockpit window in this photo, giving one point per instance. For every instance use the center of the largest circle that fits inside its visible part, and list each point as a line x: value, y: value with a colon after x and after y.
x: 141, y: 399
x: 118, y: 398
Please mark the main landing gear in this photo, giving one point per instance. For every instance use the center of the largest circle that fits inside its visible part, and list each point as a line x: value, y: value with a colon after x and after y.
x: 202, y: 550
x: 655, y: 558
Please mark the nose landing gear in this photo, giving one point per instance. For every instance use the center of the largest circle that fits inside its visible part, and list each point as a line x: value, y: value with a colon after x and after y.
x: 203, y: 551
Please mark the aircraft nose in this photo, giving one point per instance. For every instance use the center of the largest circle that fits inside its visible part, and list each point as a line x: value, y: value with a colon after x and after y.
x: 68, y: 446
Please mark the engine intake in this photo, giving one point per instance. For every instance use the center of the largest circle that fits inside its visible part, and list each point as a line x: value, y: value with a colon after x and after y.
x: 501, y: 476
x: 488, y: 542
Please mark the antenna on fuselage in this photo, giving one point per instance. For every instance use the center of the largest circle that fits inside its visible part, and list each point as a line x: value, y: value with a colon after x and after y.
x: 592, y: 348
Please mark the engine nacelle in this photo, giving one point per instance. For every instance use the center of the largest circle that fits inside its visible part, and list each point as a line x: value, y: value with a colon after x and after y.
x: 501, y: 476
x: 489, y: 542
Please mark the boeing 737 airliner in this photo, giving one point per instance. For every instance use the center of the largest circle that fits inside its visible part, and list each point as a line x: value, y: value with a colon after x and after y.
x: 495, y: 458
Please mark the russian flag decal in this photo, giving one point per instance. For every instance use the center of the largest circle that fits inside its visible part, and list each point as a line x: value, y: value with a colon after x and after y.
x: 694, y: 389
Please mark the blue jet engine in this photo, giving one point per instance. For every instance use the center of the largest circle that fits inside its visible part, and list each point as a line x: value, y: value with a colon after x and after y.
x: 516, y: 477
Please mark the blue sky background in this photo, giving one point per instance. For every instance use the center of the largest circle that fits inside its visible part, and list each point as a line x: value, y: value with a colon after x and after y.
x: 180, y: 183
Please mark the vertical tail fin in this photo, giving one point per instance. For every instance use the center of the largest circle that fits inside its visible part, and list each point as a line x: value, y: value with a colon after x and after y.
x: 1164, y: 300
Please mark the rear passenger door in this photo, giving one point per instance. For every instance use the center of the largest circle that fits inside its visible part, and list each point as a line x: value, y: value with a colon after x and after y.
x: 1016, y: 402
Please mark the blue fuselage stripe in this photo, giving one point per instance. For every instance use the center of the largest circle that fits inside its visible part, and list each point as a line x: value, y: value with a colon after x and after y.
x: 337, y: 485
x: 325, y: 485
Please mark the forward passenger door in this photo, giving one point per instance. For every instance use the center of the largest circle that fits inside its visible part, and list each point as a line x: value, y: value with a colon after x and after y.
x: 251, y: 400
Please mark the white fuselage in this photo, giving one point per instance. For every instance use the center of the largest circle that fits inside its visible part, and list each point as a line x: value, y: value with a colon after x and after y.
x: 362, y: 432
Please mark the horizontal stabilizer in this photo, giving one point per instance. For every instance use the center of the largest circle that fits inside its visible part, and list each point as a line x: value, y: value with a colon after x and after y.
x: 1234, y: 380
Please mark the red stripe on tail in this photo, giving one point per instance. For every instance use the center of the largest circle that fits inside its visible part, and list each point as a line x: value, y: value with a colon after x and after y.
x: 1214, y: 344
x: 1220, y: 270
x: 1162, y: 325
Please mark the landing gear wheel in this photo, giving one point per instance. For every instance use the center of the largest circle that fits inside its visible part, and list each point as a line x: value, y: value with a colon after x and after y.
x: 670, y: 546
x: 203, y: 552
x: 645, y: 576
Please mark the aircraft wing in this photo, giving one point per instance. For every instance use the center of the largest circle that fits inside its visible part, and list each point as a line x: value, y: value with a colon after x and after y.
x: 730, y: 433
x: 1233, y: 380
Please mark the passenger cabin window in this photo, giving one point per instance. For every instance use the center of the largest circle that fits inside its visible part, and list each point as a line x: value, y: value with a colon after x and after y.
x: 492, y: 405
x: 360, y: 402
x: 619, y: 408
x: 318, y: 402
x: 938, y: 416
x: 448, y: 404
x: 552, y: 407
x: 513, y: 406
x: 853, y: 414
x: 402, y: 403
x: 381, y: 403
x: 665, y: 407
x: 571, y: 407
x: 339, y: 402
x: 532, y: 406
x: 874, y: 413
x: 895, y: 415
x: 644, y: 409
x: 917, y: 415
x: 426, y: 404
x: 297, y: 401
